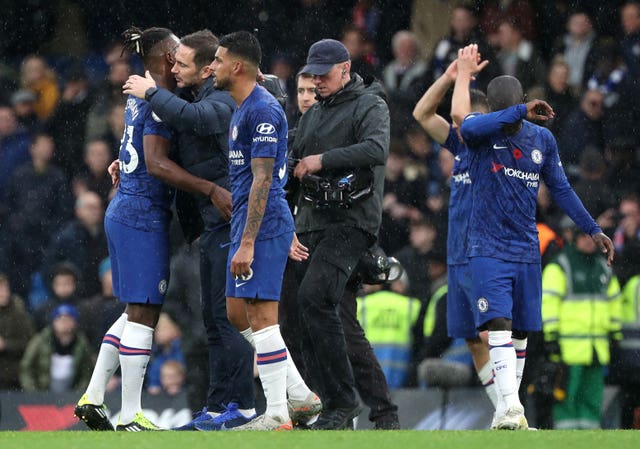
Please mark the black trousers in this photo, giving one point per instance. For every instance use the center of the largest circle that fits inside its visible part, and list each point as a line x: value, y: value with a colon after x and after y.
x: 230, y: 354
x: 334, y: 254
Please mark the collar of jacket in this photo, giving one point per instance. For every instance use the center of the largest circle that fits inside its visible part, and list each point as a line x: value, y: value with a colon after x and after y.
x: 349, y: 91
x: 204, y: 90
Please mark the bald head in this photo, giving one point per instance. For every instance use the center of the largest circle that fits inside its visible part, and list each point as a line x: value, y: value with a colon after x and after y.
x: 504, y: 91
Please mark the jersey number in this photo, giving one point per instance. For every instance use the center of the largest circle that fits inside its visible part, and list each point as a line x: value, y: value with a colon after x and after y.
x: 130, y: 166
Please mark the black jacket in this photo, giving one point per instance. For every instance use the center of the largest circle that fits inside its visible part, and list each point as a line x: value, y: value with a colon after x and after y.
x: 202, y: 149
x: 351, y: 129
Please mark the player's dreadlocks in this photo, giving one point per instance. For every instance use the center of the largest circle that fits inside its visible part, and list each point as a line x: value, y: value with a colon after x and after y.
x: 141, y: 42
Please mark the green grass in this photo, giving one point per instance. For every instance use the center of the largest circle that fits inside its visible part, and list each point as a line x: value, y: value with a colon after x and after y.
x: 402, y: 439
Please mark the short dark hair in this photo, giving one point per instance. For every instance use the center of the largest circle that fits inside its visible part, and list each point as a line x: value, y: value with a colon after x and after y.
x: 478, y: 100
x: 141, y: 42
x: 244, y: 45
x: 205, y: 44
x: 504, y: 91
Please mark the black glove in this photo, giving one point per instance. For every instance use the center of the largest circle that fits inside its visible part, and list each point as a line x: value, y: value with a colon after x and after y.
x: 552, y: 350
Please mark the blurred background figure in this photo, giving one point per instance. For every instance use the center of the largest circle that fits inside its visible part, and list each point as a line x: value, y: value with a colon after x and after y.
x: 166, y: 346
x: 58, y: 359
x: 172, y: 377
x: 16, y: 329
x: 39, y: 78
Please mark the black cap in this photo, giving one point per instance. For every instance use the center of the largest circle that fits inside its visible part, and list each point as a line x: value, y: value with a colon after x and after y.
x: 323, y: 55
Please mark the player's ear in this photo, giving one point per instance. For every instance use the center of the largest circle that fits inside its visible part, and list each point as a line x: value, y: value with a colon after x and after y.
x: 205, y: 71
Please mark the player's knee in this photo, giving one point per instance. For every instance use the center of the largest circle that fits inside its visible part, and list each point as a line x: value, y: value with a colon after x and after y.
x: 499, y: 324
x: 519, y: 335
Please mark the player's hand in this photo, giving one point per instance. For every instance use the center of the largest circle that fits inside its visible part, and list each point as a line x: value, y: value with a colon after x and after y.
x: 470, y: 60
x: 114, y: 172
x: 298, y: 251
x: 452, y: 70
x: 138, y: 86
x: 605, y: 244
x: 221, y: 199
x: 241, y: 261
x: 308, y: 165
x: 538, y: 110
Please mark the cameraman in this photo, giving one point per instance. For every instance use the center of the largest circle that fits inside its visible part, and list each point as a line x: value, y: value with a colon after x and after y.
x: 344, y: 135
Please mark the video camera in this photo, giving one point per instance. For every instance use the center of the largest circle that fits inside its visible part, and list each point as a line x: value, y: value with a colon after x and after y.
x: 375, y: 267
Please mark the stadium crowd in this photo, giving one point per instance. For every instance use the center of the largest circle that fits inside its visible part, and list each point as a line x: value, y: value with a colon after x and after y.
x: 62, y: 68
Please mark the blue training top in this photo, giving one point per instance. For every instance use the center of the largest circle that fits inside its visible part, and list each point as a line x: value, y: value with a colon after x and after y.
x: 258, y: 129
x: 142, y: 201
x: 506, y: 172
x: 460, y: 200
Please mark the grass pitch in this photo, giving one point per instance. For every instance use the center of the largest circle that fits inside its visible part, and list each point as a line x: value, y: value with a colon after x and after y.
x: 402, y: 439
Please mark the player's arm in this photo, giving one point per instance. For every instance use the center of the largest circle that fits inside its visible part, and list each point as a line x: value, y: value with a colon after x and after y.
x: 468, y: 65
x: 476, y: 127
x: 204, y: 118
x: 425, y: 111
x: 156, y: 151
x: 262, y: 170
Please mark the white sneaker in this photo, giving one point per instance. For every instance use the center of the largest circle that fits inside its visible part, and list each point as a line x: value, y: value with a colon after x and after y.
x: 264, y: 422
x: 513, y: 419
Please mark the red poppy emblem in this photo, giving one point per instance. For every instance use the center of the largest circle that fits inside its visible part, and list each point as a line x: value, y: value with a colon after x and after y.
x: 517, y: 153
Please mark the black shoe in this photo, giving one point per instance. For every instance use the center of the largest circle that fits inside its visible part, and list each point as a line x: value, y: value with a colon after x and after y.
x: 337, y: 419
x: 92, y: 415
x: 387, y: 423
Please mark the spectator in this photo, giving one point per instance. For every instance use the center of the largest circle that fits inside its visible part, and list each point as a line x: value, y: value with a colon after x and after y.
x: 558, y: 94
x: 58, y: 359
x: 39, y: 78
x: 579, y: 46
x: 583, y: 127
x: 591, y: 184
x: 63, y: 290
x: 363, y: 62
x: 581, y: 315
x: 518, y: 56
x: 626, y: 238
x: 108, y: 93
x: 94, y: 176
x: 38, y: 202
x: 16, y: 329
x: 23, y: 102
x: 624, y: 170
x: 14, y: 147
x: 172, y: 377
x: 68, y: 122
x: 463, y: 32
x: 405, y: 69
x: 415, y: 257
x: 82, y: 242
x: 166, y: 346
x: 630, y: 18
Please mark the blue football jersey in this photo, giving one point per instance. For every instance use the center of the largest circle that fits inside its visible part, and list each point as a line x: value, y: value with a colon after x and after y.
x: 459, y: 200
x: 258, y: 129
x: 141, y: 201
x: 506, y: 171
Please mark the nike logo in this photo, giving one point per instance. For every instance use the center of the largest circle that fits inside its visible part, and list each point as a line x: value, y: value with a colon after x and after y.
x: 496, y: 167
x: 457, y: 158
x: 282, y: 171
x: 497, y: 147
x: 240, y: 284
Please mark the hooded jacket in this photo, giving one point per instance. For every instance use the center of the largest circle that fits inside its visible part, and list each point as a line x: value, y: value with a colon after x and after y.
x: 351, y: 130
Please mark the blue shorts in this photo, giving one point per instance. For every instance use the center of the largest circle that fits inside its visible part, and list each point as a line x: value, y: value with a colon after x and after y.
x: 461, y: 321
x: 510, y: 290
x: 269, y: 261
x: 139, y: 263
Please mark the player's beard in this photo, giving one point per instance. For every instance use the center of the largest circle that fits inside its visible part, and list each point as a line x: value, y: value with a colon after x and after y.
x: 221, y: 83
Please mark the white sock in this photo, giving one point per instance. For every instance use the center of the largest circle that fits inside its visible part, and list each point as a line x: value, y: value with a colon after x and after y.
x: 248, y: 335
x: 272, y: 366
x: 487, y: 378
x: 135, y: 349
x: 107, y: 363
x: 521, y: 355
x: 503, y: 358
